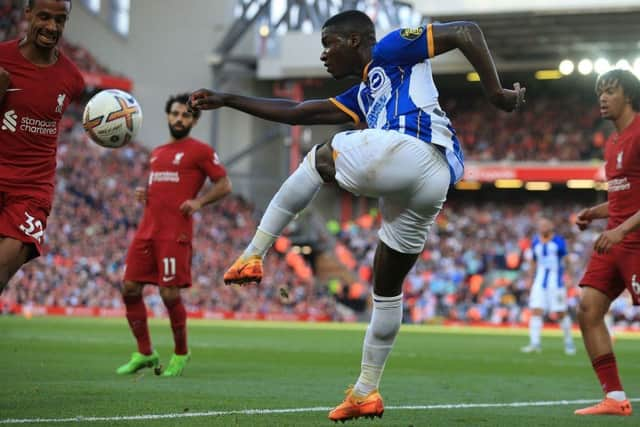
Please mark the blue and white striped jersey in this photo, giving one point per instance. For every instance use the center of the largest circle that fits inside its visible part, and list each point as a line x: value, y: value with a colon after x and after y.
x: 548, y: 255
x: 397, y: 92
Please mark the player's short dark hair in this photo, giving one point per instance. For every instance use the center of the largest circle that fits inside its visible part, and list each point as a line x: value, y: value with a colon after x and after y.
x: 352, y: 21
x: 31, y: 3
x: 182, y: 98
x: 628, y: 82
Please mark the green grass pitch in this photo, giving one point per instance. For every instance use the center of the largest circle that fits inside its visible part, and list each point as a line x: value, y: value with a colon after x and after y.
x: 61, y: 372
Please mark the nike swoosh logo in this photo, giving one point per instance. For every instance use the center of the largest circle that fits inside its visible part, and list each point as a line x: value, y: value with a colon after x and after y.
x: 13, y: 90
x: 168, y: 279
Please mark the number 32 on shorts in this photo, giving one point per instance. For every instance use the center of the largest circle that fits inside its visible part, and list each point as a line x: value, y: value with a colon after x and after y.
x: 32, y: 227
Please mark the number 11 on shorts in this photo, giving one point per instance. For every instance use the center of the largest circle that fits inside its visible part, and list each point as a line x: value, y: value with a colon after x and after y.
x: 169, y: 268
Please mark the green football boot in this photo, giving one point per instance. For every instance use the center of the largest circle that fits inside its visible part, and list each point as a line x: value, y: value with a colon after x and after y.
x: 176, y: 365
x: 139, y: 361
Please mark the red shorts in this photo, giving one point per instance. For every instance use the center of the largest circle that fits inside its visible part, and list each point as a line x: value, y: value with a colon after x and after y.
x: 160, y: 262
x: 24, y: 218
x: 612, y: 272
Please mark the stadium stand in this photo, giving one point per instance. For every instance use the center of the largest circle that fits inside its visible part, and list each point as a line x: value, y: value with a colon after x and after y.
x: 553, y: 127
x: 476, y: 264
x: 474, y: 268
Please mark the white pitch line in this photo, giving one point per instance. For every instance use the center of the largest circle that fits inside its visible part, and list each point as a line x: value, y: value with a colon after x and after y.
x: 83, y: 419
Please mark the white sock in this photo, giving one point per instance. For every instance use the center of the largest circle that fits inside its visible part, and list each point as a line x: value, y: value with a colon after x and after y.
x: 378, y: 342
x: 535, y: 329
x: 292, y: 197
x: 617, y: 395
x: 565, y: 325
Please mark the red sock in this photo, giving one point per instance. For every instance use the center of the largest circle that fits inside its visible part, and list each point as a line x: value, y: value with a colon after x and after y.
x: 607, y: 371
x: 178, y: 317
x: 137, y: 317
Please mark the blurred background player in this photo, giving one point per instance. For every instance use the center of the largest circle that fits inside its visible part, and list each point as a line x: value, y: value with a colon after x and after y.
x: 548, y: 292
x: 615, y: 264
x: 407, y: 158
x: 160, y: 252
x: 37, y: 84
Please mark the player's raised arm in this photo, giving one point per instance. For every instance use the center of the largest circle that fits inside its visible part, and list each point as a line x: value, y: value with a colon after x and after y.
x: 312, y: 112
x: 4, y: 83
x: 468, y: 37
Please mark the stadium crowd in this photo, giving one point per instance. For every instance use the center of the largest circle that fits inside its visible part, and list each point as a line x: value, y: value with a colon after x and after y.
x: 476, y: 265
x: 553, y: 127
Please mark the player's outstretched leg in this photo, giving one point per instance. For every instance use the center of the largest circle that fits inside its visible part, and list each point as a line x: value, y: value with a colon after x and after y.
x: 293, y: 196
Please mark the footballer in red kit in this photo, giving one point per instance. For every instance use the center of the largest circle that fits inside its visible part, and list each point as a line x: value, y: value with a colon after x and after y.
x: 615, y: 264
x: 160, y: 253
x: 37, y: 84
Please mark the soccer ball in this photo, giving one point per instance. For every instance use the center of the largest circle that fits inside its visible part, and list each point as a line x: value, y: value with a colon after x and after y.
x: 112, y: 118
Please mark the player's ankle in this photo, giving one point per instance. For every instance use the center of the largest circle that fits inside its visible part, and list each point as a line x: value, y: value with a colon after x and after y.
x: 617, y: 395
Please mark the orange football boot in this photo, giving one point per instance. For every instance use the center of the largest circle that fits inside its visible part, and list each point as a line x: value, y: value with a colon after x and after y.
x: 244, y: 271
x: 369, y: 406
x: 607, y: 407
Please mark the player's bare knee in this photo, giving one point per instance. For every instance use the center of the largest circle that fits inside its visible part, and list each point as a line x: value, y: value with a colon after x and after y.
x: 169, y: 295
x: 131, y: 289
x: 325, y: 164
x: 588, y: 313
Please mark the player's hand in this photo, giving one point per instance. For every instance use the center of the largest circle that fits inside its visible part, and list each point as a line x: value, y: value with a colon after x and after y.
x: 4, y: 81
x: 205, y: 99
x: 189, y: 207
x: 583, y: 219
x: 141, y: 194
x: 510, y: 100
x: 607, y: 239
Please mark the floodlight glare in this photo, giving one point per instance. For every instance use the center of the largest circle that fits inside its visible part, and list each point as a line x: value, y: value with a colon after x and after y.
x: 601, y: 66
x: 585, y: 66
x: 566, y: 67
x: 623, y: 64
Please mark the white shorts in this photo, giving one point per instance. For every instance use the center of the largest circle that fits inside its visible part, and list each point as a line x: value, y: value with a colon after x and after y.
x: 409, y: 177
x: 552, y: 298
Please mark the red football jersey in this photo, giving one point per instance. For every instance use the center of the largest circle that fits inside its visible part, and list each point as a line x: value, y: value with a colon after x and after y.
x: 30, y: 116
x: 622, y: 156
x: 177, y: 172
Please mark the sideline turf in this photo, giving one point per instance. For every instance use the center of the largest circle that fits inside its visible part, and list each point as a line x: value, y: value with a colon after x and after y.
x: 64, y: 367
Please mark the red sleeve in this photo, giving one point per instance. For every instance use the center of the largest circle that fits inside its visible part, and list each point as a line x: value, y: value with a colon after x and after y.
x: 80, y: 89
x: 78, y: 80
x: 211, y: 165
